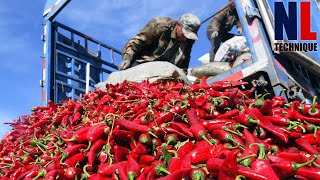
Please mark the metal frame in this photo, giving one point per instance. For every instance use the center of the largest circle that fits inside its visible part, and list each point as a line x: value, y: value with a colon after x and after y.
x: 258, y: 28
x: 70, y: 68
x: 262, y: 56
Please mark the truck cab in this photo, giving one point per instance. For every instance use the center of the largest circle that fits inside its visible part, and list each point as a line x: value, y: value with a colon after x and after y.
x: 74, y: 62
x: 272, y: 69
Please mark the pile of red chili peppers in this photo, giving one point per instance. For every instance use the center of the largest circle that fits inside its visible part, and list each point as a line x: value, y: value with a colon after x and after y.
x: 168, y: 131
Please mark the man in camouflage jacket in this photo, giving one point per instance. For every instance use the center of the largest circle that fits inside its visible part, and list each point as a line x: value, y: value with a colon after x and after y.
x: 219, y: 27
x: 162, y: 39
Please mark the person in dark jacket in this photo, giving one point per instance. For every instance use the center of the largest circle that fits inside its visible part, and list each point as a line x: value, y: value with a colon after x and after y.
x: 219, y: 27
x: 162, y: 39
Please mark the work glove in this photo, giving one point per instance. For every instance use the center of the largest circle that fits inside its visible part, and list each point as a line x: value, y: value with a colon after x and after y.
x: 124, y: 64
x: 214, y: 34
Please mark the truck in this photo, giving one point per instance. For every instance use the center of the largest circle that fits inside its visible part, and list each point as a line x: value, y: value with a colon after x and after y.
x: 71, y: 67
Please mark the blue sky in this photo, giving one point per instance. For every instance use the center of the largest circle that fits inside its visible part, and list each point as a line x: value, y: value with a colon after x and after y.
x: 110, y: 21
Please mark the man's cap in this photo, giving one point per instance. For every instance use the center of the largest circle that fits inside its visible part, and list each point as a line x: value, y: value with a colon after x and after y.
x: 190, y: 25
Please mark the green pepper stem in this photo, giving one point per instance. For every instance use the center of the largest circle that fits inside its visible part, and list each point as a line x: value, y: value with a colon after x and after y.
x: 239, y: 177
x: 246, y: 157
x: 316, y: 164
x: 296, y: 166
x: 89, y: 146
x: 225, y: 128
x: 230, y: 138
x: 42, y: 173
x: 203, y: 136
x: 236, y: 126
x: 152, y: 134
x: 71, y: 139
x: 251, y: 120
x: 262, y: 150
x: 161, y: 169
x: 131, y: 175
x: 198, y: 175
x: 313, y: 109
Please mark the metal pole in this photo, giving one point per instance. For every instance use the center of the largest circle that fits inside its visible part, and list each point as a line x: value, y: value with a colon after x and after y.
x: 223, y: 8
x: 87, y: 77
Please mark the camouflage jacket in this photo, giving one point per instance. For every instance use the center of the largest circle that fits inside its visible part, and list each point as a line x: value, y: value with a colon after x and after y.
x: 157, y: 42
x: 224, y: 21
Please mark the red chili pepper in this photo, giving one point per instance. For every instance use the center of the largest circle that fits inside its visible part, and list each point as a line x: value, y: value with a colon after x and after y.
x: 227, y: 137
x: 68, y: 152
x: 247, y: 152
x: 251, y: 174
x: 221, y: 85
x: 146, y: 159
x: 142, y: 176
x: 95, y: 148
x: 79, y: 136
x: 192, y: 116
x: 156, y: 142
x: 73, y: 160
x: 72, y: 172
x: 287, y: 168
x: 120, y: 153
x: 267, y: 125
x: 121, y: 171
x: 266, y: 108
x: 246, y: 119
x: 278, y: 101
x: 198, y: 174
x: 207, y: 123
x: 197, y: 87
x: 96, y: 132
x: 310, y: 173
x: 248, y: 137
x: 228, y: 169
x: 174, y: 131
x: 209, y: 107
x: 181, y: 127
x: 296, y: 157
x: 174, y: 164
x: 229, y: 114
x: 171, y: 139
x: 229, y: 127
x: 133, y: 126
x: 199, y: 132
x: 200, y: 101
x: 213, y: 165
x: 140, y: 149
x: 40, y: 124
x: 179, y: 174
x: 313, y: 111
x: 259, y: 132
x: 75, y: 118
x: 203, y: 115
x: 145, y: 139
x: 202, y: 154
x: 310, y: 138
x: 133, y: 169
x: 262, y: 166
x: 167, y: 116
x: 122, y: 134
x: 298, y: 116
x: 185, y: 149
x: 53, y: 174
x: 105, y: 169
x: 304, y: 144
x: 28, y: 174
